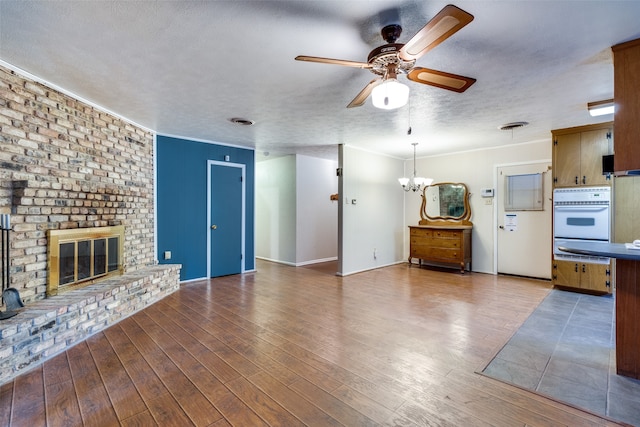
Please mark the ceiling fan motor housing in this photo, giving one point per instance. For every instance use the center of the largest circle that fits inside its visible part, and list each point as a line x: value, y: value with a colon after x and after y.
x: 384, y: 55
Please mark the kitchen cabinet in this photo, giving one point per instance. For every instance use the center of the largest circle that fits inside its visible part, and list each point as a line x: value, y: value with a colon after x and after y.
x: 577, y: 155
x: 626, y: 93
x: 593, y: 278
x: 449, y: 244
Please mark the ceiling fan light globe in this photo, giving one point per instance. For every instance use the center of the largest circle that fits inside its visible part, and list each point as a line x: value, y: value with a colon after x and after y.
x: 390, y: 95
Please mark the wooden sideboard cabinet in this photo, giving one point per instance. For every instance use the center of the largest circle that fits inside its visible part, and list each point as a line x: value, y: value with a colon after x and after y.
x: 448, y: 244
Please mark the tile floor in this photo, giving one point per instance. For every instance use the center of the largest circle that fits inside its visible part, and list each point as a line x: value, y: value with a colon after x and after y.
x: 565, y: 349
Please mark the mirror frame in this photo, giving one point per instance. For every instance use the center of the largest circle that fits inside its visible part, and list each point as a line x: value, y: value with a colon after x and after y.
x: 446, y: 220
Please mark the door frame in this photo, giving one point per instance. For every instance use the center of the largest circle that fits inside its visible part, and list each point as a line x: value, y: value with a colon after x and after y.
x: 210, y: 164
x: 495, y: 206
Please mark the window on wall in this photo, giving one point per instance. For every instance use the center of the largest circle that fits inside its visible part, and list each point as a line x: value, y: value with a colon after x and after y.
x: 523, y: 192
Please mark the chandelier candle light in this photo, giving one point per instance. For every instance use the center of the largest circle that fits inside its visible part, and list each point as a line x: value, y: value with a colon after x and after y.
x: 416, y: 182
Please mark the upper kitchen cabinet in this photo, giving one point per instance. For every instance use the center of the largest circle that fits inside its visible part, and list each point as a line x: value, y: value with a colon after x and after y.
x: 577, y: 155
x: 626, y: 93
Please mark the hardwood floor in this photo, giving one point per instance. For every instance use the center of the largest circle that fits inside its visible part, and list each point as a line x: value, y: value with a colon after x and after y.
x: 287, y: 346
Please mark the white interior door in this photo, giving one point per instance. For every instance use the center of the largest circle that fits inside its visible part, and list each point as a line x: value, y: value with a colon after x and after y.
x: 524, y: 241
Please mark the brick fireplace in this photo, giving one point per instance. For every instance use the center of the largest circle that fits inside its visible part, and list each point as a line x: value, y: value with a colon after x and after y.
x: 67, y: 167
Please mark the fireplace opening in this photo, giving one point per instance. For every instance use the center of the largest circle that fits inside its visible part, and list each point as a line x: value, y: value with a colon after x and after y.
x: 82, y: 256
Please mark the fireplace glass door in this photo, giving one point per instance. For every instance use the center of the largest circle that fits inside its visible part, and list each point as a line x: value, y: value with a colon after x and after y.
x: 87, y: 259
x: 83, y: 255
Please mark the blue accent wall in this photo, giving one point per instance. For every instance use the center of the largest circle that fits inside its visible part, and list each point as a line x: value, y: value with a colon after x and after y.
x: 182, y: 201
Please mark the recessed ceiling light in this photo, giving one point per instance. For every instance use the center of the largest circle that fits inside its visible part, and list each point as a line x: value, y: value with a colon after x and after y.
x: 241, y: 121
x: 513, y: 125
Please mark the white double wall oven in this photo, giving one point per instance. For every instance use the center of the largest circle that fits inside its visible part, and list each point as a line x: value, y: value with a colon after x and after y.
x: 581, y: 215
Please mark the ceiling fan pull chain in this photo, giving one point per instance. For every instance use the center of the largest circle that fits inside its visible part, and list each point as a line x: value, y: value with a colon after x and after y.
x: 409, y: 129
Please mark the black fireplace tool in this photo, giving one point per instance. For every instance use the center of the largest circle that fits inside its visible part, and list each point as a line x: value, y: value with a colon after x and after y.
x: 10, y: 296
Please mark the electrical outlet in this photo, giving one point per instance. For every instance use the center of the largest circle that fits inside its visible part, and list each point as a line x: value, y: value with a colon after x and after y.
x: 167, y: 254
x: 488, y: 201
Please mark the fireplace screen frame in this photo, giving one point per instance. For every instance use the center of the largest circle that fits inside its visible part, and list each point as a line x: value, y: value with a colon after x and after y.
x: 73, y: 241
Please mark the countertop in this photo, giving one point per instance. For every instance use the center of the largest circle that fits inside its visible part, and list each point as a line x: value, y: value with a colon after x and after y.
x: 604, y: 249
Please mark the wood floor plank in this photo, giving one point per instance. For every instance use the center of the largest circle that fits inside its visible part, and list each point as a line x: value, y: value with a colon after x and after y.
x: 199, y: 409
x: 122, y: 391
x: 196, y: 372
x: 260, y: 403
x: 143, y: 419
x: 167, y: 411
x: 28, y: 400
x: 62, y: 404
x: 6, y: 400
x: 363, y: 404
x: 237, y: 413
x: 294, y: 364
x: 56, y: 370
x: 95, y: 406
x: 249, y: 349
x: 221, y: 423
x: 330, y: 404
x: 184, y: 334
x: 301, y: 408
x: 147, y: 382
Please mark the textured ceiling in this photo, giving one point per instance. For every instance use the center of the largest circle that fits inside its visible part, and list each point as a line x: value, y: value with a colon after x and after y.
x: 184, y: 68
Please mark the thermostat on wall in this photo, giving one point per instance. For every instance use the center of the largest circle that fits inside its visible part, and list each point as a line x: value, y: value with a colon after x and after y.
x: 486, y: 192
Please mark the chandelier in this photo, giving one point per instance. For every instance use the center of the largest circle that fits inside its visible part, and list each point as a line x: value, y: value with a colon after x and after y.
x: 415, y: 183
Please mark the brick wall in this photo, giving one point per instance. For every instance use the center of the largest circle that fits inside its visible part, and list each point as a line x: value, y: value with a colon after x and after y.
x: 66, y: 164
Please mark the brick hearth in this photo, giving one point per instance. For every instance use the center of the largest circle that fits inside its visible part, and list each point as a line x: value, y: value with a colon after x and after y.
x: 47, y: 327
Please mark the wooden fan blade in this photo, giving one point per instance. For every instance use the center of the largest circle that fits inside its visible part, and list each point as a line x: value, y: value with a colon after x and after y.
x: 355, y: 64
x: 448, y: 21
x: 440, y: 79
x: 360, y: 98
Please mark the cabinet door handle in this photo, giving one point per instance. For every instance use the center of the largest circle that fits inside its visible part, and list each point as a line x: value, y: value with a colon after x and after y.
x: 584, y: 268
x: 584, y: 179
x: 576, y: 180
x: 576, y: 268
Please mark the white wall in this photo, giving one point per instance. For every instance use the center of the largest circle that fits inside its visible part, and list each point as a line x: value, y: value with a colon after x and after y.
x: 476, y: 169
x: 276, y: 209
x: 296, y: 222
x: 317, y: 215
x: 376, y: 219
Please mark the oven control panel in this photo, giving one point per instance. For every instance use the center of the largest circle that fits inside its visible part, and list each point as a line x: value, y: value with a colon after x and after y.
x: 582, y: 195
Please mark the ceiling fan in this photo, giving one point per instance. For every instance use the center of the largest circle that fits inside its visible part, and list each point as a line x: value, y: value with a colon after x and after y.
x: 391, y: 59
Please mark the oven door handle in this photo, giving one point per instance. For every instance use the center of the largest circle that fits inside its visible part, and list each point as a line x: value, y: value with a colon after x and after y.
x: 581, y: 208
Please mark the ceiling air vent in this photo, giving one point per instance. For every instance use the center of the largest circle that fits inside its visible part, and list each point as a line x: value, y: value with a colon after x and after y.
x: 241, y: 121
x: 513, y: 125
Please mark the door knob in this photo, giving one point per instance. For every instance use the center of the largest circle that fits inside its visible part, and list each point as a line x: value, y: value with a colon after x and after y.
x: 501, y: 227
x: 213, y: 227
